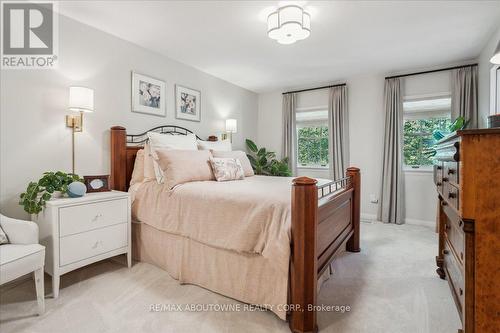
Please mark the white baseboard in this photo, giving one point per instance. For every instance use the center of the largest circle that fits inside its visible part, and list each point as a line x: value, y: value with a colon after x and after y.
x: 372, y: 218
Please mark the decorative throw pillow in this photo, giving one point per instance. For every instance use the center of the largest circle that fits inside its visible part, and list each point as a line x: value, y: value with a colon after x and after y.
x: 3, y: 237
x: 227, y: 169
x: 183, y: 166
x: 168, y: 141
x: 138, y: 172
x: 240, y: 155
x: 224, y: 145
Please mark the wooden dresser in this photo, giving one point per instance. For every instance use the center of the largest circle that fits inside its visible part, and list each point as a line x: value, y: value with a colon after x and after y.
x: 467, y: 176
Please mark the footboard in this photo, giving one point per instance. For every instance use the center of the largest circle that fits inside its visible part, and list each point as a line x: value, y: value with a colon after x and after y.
x: 325, y: 220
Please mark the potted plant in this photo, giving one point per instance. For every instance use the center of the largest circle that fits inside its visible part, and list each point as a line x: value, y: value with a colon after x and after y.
x: 52, y: 184
x: 265, y: 163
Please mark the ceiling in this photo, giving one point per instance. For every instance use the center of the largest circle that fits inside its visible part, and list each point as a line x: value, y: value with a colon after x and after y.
x: 228, y: 39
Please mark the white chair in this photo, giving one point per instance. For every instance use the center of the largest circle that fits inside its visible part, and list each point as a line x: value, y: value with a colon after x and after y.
x: 22, y: 255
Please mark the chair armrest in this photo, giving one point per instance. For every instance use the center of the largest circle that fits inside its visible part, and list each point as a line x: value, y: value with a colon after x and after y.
x: 19, y: 231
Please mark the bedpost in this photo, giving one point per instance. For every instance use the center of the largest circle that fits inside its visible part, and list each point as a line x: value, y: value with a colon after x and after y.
x: 353, y: 242
x: 118, y: 158
x: 303, y: 267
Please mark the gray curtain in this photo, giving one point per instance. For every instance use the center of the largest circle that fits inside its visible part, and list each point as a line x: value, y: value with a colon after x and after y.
x: 338, y: 125
x: 464, y: 95
x: 391, y: 208
x: 289, y: 141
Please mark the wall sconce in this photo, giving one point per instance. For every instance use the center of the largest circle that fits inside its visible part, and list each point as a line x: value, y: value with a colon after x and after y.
x: 81, y: 100
x: 231, y: 127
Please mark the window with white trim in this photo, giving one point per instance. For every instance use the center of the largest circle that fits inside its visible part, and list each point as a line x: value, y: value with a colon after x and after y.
x: 312, y: 138
x: 421, y: 117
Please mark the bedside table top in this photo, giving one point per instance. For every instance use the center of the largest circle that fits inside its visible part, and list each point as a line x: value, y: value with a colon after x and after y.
x: 88, y: 197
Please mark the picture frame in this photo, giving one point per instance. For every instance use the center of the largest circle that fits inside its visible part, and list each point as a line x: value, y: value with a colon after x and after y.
x: 187, y: 103
x: 97, y: 183
x: 148, y: 95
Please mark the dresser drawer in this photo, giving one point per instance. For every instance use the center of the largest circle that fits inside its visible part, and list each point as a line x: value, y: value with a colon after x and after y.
x: 92, y: 243
x: 450, y: 171
x: 81, y: 218
x: 453, y: 230
x: 451, y: 194
x: 455, y: 276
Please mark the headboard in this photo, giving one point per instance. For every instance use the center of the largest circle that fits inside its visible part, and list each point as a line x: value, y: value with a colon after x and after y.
x: 124, y: 148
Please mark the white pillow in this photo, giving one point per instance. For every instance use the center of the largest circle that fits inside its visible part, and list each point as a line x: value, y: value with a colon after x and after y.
x: 224, y: 145
x: 168, y: 141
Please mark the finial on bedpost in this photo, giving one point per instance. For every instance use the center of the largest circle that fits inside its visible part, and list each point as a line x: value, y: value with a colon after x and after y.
x: 355, y: 178
x: 118, y: 164
x: 303, y: 263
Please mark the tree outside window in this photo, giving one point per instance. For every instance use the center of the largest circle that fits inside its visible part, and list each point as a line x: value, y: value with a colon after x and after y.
x: 312, y: 146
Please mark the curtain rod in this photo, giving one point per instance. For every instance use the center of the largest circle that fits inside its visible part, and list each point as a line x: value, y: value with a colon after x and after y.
x: 430, y: 71
x: 317, y: 88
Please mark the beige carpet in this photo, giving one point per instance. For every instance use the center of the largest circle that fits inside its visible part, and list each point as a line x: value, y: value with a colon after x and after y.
x: 390, y: 286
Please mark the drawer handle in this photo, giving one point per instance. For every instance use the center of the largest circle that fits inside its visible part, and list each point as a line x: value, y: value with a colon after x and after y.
x: 452, y: 195
x: 451, y: 171
x: 445, y: 179
x: 444, y: 203
x: 446, y: 251
x: 439, y: 184
x: 439, y: 167
x: 96, y: 244
x: 96, y: 217
x: 460, y: 291
x: 460, y: 223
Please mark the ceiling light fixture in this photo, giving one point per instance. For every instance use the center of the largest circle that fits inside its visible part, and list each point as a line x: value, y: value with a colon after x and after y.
x: 289, y: 24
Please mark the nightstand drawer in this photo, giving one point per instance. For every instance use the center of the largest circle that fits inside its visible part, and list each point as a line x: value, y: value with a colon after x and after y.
x: 92, y: 243
x: 81, y: 218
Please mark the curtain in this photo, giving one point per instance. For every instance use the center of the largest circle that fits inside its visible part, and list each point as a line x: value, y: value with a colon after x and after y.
x: 391, y: 208
x: 289, y: 142
x: 464, y: 95
x: 338, y: 130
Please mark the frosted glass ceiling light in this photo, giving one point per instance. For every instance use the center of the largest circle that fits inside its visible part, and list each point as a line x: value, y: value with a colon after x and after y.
x: 289, y: 24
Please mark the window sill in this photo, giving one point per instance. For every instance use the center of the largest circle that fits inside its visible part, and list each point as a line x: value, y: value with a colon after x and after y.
x: 306, y: 167
x: 418, y: 170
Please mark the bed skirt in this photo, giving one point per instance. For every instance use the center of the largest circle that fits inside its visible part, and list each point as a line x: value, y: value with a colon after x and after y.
x: 248, y: 278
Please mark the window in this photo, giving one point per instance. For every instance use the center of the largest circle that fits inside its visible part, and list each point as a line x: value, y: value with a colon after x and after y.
x: 312, y: 138
x: 421, y: 118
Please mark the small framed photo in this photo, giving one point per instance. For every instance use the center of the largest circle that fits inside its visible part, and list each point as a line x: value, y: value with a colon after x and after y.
x: 97, y: 183
x: 187, y: 103
x: 148, y: 95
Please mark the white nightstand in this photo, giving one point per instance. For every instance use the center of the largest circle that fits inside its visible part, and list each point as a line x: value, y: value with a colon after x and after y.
x: 79, y: 231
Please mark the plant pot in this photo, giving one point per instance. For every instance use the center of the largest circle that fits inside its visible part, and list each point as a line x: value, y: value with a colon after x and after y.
x: 56, y: 195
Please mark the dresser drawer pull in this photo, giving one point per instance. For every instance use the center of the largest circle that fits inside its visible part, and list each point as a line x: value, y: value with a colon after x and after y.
x: 444, y: 203
x: 446, y: 252
x: 460, y: 291
x: 451, y: 171
x: 452, y: 195
x: 460, y: 223
x: 96, y: 217
x: 439, y: 184
x: 96, y: 244
x: 439, y: 167
x: 445, y: 179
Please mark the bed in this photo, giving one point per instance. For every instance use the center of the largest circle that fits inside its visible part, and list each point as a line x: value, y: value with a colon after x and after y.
x: 262, y: 240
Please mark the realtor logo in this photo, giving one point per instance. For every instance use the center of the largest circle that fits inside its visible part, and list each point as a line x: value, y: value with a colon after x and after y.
x: 29, y: 31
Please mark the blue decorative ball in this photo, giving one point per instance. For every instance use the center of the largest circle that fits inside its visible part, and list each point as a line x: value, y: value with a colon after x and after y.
x: 76, y: 190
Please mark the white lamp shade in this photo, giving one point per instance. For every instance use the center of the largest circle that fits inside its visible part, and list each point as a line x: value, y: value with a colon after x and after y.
x: 81, y: 99
x: 496, y: 57
x: 231, y: 125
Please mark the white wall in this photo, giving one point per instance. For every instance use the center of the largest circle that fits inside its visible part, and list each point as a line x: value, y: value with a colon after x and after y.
x: 366, y: 131
x: 34, y: 138
x: 484, y: 77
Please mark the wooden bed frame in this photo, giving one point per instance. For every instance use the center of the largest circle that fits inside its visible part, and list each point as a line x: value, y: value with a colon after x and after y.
x: 325, y: 221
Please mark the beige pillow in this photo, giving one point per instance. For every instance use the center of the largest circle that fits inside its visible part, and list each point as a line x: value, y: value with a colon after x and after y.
x: 227, y: 169
x: 241, y: 155
x: 168, y: 141
x: 138, y: 172
x: 223, y: 145
x: 149, y: 170
x: 184, y: 166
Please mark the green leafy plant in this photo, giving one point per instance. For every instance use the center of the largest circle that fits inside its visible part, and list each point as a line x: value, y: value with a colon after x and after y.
x: 265, y: 163
x: 37, y: 193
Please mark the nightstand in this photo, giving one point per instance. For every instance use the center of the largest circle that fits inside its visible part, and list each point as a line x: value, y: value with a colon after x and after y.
x: 79, y: 231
